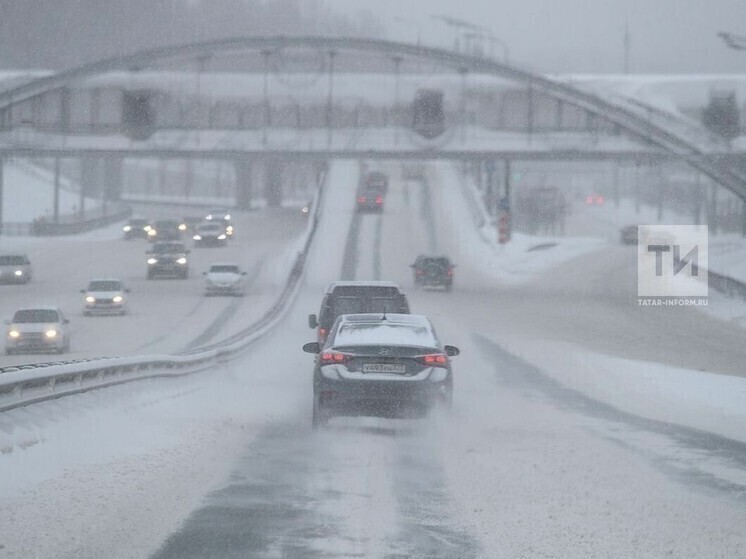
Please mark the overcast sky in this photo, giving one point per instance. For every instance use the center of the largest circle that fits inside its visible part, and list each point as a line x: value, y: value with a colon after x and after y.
x: 666, y: 36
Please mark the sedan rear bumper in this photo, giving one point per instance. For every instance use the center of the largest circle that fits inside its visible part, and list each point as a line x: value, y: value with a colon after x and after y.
x: 394, y: 399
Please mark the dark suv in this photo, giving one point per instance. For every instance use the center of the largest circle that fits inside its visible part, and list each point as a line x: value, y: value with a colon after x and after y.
x: 351, y: 297
x: 433, y: 271
x: 168, y: 259
x: 165, y: 230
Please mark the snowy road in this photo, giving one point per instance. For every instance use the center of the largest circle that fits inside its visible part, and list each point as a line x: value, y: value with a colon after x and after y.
x: 525, y: 467
x: 165, y: 315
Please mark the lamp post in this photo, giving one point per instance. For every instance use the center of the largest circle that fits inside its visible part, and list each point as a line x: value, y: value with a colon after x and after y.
x: 736, y: 42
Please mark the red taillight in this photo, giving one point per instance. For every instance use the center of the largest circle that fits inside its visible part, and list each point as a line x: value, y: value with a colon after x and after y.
x: 334, y: 358
x: 589, y: 199
x: 600, y: 200
x: 361, y: 199
x: 419, y: 272
x: 379, y: 200
x: 450, y: 271
x: 433, y: 359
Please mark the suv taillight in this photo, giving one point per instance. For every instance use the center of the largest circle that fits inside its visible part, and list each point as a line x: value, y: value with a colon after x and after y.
x: 434, y: 359
x: 334, y: 358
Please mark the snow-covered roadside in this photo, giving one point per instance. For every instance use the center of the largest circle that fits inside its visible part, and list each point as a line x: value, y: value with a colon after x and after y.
x: 513, y: 263
x: 701, y: 400
x: 122, y: 461
x: 29, y: 193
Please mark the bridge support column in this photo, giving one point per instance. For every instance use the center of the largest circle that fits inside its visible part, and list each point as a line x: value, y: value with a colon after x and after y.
x: 56, y: 201
x: 112, y: 180
x: 273, y: 173
x: 2, y: 194
x: 713, y: 209
x: 243, y: 168
x: 616, y: 185
x: 88, y: 181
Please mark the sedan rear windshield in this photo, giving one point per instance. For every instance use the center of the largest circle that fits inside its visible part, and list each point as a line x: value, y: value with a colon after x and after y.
x: 168, y: 248
x: 13, y: 260
x: 224, y: 270
x: 36, y: 315
x: 384, y: 334
x: 105, y: 285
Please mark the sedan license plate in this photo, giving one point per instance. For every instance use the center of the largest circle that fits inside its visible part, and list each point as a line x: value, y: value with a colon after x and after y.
x: 384, y: 368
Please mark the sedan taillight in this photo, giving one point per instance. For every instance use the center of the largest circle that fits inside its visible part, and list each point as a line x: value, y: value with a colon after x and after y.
x: 334, y: 358
x: 434, y: 359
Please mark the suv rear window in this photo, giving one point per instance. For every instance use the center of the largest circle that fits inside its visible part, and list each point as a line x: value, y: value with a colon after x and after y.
x: 168, y: 248
x: 105, y: 285
x: 224, y: 269
x: 355, y: 299
x: 36, y: 315
x: 13, y: 260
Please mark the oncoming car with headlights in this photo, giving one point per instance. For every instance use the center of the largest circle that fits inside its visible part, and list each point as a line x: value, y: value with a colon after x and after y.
x: 105, y: 296
x: 380, y: 365
x: 15, y: 268
x: 136, y: 228
x: 168, y: 259
x: 37, y: 329
x: 225, y: 279
x: 210, y: 234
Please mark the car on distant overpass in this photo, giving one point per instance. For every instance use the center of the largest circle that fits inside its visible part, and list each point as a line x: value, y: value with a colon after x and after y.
x: 382, y: 365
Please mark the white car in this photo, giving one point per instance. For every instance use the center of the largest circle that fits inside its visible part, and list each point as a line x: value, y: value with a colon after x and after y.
x: 37, y: 329
x: 105, y: 296
x: 225, y: 279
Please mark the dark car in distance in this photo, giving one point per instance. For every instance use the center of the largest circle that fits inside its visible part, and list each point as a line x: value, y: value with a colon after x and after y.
x: 136, y: 228
x: 351, y: 297
x: 628, y: 235
x: 382, y: 365
x: 168, y: 259
x: 433, y: 271
x: 164, y: 230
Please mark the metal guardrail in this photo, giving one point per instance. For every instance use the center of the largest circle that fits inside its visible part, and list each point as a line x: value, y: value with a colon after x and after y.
x: 72, y: 224
x: 23, y: 385
x: 728, y: 286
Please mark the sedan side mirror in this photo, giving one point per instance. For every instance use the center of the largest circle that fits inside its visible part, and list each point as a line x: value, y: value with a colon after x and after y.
x: 451, y: 350
x: 312, y: 347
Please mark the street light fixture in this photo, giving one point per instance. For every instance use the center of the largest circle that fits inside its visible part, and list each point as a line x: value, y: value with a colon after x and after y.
x: 736, y: 42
